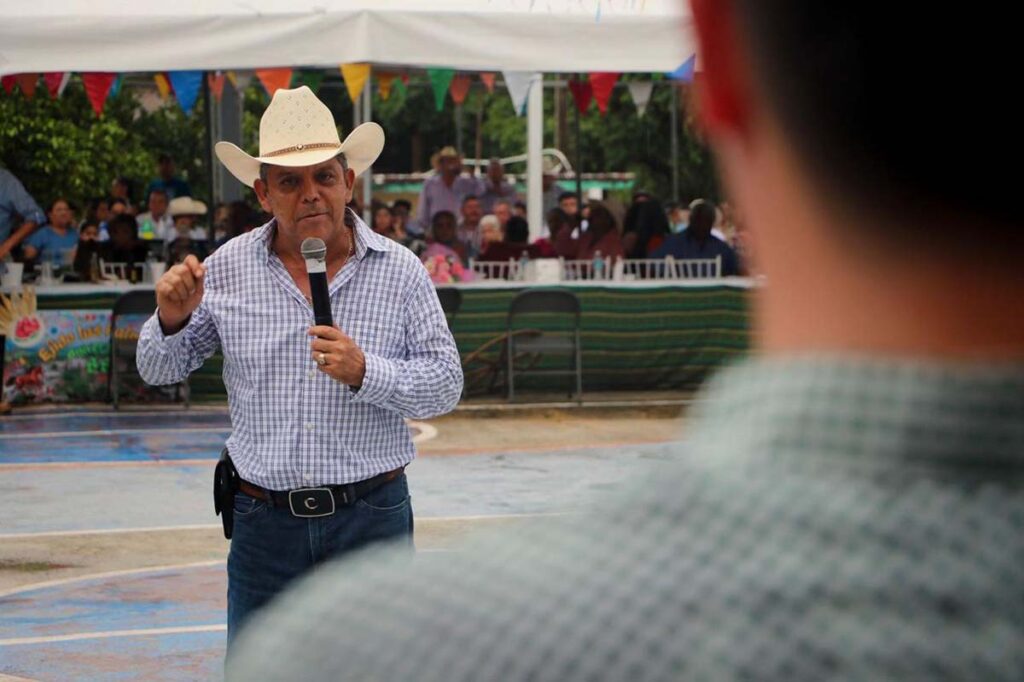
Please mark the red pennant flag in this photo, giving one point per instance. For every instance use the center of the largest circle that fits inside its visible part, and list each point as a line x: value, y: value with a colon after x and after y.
x: 53, y: 81
x: 603, y: 83
x: 274, y: 79
x: 582, y: 92
x: 459, y: 88
x: 8, y: 83
x: 27, y: 82
x: 97, y: 87
x: 488, y: 80
x: 216, y: 81
x: 405, y: 78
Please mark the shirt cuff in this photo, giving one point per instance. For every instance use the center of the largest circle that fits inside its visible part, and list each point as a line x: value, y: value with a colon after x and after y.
x: 379, y: 381
x: 155, y: 330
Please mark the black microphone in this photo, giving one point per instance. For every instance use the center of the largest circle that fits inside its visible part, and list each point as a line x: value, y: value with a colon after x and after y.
x: 314, y: 251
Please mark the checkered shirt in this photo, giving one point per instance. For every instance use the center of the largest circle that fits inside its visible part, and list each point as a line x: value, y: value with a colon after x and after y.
x: 831, y: 519
x: 293, y: 426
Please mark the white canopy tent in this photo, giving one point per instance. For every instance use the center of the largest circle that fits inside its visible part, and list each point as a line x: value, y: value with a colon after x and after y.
x: 486, y: 35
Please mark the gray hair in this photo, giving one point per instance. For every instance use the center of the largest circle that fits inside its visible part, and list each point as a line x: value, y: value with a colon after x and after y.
x: 265, y: 167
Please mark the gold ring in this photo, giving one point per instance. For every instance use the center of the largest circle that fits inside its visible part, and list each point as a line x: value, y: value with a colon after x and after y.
x: 322, y: 359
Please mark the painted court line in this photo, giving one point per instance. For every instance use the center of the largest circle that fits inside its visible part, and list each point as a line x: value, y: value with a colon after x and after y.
x: 78, y: 636
x: 213, y: 526
x: 37, y: 435
x: 108, y: 574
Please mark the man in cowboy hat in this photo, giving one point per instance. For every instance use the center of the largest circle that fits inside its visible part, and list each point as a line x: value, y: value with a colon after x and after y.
x: 446, y: 190
x: 319, y: 439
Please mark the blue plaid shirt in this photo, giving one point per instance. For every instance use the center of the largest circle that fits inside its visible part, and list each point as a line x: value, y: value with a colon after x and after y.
x: 294, y: 426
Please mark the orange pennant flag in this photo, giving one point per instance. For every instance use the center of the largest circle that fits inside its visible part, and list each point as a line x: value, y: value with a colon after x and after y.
x: 459, y: 87
x: 384, y: 82
x: 274, y: 79
x: 488, y: 79
x: 162, y: 85
x: 216, y: 80
x: 27, y: 82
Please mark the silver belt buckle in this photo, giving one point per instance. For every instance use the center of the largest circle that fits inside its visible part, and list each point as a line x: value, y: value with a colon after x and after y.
x: 310, y: 503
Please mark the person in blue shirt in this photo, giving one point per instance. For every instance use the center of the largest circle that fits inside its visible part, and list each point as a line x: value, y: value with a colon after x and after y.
x: 19, y: 212
x: 171, y: 185
x: 56, y: 241
x: 696, y: 241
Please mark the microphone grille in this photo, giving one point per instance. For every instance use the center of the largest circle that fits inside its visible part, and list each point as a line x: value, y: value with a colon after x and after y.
x: 313, y: 248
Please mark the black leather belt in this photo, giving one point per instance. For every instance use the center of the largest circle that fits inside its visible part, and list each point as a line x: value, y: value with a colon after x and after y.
x: 322, y: 501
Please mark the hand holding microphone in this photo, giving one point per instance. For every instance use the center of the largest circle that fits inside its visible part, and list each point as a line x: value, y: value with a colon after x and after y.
x: 335, y: 354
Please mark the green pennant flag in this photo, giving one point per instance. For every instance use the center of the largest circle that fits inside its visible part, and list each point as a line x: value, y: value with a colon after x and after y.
x: 401, y: 88
x: 311, y: 79
x: 440, y: 79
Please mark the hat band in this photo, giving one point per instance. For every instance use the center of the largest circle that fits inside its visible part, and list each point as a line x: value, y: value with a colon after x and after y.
x: 303, y: 148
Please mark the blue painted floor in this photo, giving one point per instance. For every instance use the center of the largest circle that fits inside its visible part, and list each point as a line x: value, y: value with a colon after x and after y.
x: 99, y: 471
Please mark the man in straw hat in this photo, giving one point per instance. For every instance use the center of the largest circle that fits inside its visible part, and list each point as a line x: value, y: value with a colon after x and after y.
x: 446, y: 190
x: 319, y: 439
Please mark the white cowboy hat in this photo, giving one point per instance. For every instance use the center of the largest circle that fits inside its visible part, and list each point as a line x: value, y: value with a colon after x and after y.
x: 186, y: 206
x: 297, y: 129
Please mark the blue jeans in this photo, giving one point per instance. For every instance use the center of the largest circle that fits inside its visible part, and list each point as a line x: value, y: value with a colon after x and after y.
x: 270, y: 548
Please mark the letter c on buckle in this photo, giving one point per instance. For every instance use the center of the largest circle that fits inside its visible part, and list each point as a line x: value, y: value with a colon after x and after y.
x: 309, y: 506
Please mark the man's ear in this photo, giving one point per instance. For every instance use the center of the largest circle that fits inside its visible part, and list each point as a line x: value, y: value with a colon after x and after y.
x: 723, y: 84
x: 260, y: 188
x: 350, y: 182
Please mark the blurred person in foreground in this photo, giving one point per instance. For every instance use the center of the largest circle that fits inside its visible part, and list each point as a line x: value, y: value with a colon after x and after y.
x: 851, y: 498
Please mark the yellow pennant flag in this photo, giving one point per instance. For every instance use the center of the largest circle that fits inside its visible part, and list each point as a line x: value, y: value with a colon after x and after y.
x: 384, y: 83
x: 355, y: 76
x: 162, y: 85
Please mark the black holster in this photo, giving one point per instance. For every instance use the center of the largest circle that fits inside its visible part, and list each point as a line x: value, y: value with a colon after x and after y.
x: 225, y: 485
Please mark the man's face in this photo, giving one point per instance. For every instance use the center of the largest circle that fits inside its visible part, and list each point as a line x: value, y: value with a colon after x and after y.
x: 495, y: 173
x: 308, y: 201
x: 503, y: 211
x: 157, y: 204
x: 569, y: 205
x: 471, y: 212
x: 451, y: 165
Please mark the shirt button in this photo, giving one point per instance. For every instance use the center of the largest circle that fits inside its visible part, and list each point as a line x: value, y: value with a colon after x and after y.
x: 309, y: 426
x: 312, y: 374
x: 307, y: 478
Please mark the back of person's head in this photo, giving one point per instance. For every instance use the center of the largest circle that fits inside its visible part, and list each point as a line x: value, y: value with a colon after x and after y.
x: 123, y: 230
x: 557, y: 219
x: 601, y: 219
x: 402, y: 204
x: 517, y: 231
x: 702, y: 219
x: 873, y: 122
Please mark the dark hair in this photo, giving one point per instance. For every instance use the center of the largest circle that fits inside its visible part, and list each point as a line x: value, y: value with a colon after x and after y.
x: 875, y: 121
x: 157, y: 190
x: 566, y: 195
x: 520, y: 204
x: 471, y: 197
x: 124, y: 180
x: 601, y: 219
x: 381, y: 206
x: 517, y: 231
x: 557, y: 219
x: 57, y: 200
x: 402, y: 202
x: 241, y: 218
x: 436, y: 218
x: 117, y: 200
x: 702, y: 218
x: 123, y: 220
x: 164, y: 158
